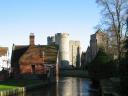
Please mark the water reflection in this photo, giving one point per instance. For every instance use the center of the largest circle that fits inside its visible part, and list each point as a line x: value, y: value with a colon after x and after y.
x: 67, y: 86
x: 74, y: 87
x: 19, y: 94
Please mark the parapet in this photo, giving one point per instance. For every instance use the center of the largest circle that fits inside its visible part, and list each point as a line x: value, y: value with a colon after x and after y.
x: 31, y: 34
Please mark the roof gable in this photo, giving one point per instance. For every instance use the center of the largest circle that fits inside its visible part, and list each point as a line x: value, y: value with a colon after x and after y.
x: 3, y: 51
x: 50, y: 53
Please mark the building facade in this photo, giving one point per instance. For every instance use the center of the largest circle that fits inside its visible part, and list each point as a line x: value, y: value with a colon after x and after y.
x: 69, y: 50
x: 97, y: 40
x: 32, y: 59
x: 74, y: 47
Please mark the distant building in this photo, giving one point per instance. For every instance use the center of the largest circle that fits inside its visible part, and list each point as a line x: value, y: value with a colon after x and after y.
x: 83, y: 65
x: 69, y: 50
x: 127, y: 25
x: 51, y: 40
x: 32, y: 59
x: 74, y: 47
x: 97, y: 40
x: 4, y: 59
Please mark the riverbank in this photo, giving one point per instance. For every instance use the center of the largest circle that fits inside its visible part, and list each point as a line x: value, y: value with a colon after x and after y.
x: 13, y: 87
x: 110, y: 87
x: 67, y: 86
x: 74, y: 73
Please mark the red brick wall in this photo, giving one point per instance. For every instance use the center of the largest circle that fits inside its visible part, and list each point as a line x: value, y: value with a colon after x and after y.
x: 27, y: 69
x: 31, y: 58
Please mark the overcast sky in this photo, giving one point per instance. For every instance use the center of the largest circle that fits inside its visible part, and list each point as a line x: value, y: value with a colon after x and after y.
x: 44, y: 18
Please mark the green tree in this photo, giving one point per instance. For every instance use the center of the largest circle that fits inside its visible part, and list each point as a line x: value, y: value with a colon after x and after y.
x: 100, y: 67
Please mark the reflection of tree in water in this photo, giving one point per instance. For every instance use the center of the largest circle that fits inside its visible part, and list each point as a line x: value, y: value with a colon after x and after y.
x: 95, y: 88
x: 49, y: 90
x: 19, y: 94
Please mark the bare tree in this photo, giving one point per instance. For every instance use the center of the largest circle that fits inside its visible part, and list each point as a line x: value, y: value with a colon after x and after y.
x: 113, y: 17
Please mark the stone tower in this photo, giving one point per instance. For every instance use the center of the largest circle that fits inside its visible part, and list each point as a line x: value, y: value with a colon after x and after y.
x: 62, y: 40
x: 97, y: 40
x: 74, y: 47
x: 50, y: 40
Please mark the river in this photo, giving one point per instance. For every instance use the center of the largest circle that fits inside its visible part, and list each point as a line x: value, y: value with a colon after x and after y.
x: 67, y: 86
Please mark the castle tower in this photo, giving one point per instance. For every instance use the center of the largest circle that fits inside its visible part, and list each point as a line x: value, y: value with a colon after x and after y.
x: 50, y: 40
x: 98, y: 40
x: 32, y: 39
x: 62, y: 40
x: 57, y: 38
x: 74, y: 47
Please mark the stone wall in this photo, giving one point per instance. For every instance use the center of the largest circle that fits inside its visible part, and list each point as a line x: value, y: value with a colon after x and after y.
x: 69, y: 50
x: 31, y: 61
x: 97, y: 40
x: 74, y: 47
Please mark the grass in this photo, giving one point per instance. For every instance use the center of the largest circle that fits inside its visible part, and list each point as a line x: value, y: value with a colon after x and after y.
x: 6, y: 87
x: 12, y: 83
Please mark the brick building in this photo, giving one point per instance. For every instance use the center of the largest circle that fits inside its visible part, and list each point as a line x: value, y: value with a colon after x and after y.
x: 32, y: 59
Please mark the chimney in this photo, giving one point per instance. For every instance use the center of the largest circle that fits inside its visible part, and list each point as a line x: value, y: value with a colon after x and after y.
x: 32, y: 39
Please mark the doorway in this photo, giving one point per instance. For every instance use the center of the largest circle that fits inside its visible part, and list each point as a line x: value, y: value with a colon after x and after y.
x: 33, y: 68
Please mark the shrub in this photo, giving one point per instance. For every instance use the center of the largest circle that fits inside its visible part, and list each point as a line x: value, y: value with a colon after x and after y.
x: 101, y: 67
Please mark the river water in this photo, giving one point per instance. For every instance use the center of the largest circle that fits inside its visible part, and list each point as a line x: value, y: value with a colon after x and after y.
x: 67, y: 86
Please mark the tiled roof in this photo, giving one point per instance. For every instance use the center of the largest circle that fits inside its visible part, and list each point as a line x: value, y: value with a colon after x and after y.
x: 49, y: 50
x: 17, y: 52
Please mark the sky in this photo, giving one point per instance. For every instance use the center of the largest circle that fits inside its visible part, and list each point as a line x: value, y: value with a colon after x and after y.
x: 19, y: 18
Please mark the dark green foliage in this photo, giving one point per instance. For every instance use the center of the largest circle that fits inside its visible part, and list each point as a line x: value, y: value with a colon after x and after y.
x: 126, y: 43
x: 101, y: 57
x: 126, y: 49
x: 16, y: 54
x: 124, y: 71
x: 101, y: 67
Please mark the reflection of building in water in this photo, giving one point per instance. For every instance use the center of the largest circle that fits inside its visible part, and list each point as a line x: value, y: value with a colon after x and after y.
x: 75, y: 87
x: 70, y: 87
x: 4, y: 58
x: 68, y: 50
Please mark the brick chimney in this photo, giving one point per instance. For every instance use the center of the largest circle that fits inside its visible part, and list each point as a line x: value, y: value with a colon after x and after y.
x: 32, y: 39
